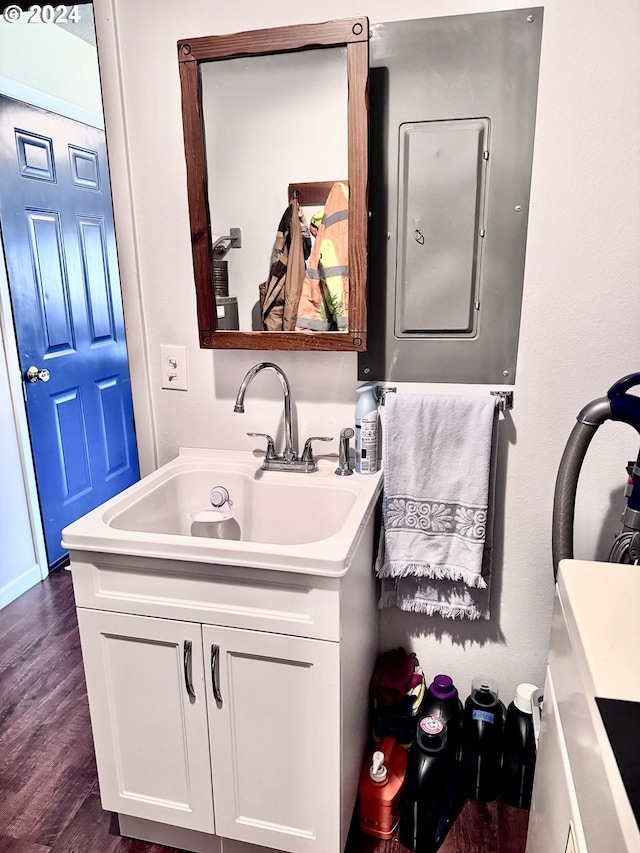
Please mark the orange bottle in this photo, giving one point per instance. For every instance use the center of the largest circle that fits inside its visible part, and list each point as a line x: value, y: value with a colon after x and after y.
x: 380, y: 784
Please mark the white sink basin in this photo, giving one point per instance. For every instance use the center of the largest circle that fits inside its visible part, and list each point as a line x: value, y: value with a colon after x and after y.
x: 299, y: 522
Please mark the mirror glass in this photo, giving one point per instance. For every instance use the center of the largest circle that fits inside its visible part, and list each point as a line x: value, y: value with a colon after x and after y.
x: 270, y: 121
x: 275, y: 127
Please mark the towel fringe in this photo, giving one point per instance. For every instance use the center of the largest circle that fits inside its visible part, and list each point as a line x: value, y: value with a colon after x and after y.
x: 400, y: 569
x: 430, y: 608
x: 447, y: 611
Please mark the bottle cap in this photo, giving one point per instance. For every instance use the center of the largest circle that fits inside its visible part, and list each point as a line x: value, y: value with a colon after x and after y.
x: 431, y: 735
x: 431, y: 725
x: 484, y: 691
x: 378, y: 771
x: 522, y: 699
x: 442, y: 687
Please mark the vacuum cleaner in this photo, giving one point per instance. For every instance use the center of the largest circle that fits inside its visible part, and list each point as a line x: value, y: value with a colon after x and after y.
x: 618, y: 405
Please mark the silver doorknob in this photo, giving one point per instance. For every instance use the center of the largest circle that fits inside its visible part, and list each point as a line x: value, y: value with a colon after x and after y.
x: 32, y: 374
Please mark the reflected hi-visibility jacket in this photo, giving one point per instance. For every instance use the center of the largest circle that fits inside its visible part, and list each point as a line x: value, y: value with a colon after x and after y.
x: 324, y: 300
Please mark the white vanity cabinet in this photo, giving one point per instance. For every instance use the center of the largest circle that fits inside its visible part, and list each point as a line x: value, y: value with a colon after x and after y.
x: 272, y: 761
x: 275, y: 738
x: 151, y: 738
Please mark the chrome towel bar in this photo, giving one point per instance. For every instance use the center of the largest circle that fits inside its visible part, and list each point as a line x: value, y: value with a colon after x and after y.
x: 504, y: 401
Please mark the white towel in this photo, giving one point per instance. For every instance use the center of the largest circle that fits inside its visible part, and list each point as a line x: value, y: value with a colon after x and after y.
x: 437, y: 473
x: 451, y: 599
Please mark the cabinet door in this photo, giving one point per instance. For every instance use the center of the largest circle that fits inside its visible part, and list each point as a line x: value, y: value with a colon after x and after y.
x: 150, y: 735
x: 275, y: 738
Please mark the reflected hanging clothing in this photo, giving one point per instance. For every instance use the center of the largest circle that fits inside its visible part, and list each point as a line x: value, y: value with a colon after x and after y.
x: 324, y: 301
x: 280, y: 294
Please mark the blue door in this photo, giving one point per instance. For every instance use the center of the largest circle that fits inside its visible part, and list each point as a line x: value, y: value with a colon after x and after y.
x: 56, y: 222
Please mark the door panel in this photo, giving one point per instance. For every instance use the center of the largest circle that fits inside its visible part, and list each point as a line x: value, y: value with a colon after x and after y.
x: 57, y: 229
x: 150, y: 736
x: 275, y: 738
x: 71, y: 443
x: 113, y: 418
x: 96, y: 284
x: 51, y: 281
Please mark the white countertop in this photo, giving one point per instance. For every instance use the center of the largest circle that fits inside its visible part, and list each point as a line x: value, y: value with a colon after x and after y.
x: 597, y: 656
x: 604, y: 601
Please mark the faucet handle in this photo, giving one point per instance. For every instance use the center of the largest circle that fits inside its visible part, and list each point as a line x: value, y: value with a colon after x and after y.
x: 307, y: 453
x: 271, y: 447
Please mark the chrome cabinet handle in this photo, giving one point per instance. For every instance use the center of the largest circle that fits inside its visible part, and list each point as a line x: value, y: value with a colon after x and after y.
x: 215, y: 652
x: 537, y: 699
x: 186, y: 659
x: 32, y: 374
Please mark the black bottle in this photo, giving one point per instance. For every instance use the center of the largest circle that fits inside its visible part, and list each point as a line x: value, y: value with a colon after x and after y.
x: 482, y: 740
x: 519, y: 750
x: 425, y: 786
x: 441, y: 700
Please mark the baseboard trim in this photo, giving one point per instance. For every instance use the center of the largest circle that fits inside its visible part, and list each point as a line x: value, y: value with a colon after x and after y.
x: 168, y: 836
x: 14, y: 589
x: 183, y: 839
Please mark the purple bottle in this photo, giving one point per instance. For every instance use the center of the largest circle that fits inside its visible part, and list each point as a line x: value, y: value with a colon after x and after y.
x: 442, y: 700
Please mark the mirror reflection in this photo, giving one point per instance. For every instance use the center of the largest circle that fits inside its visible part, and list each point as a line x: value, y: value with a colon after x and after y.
x: 275, y: 126
x: 271, y: 121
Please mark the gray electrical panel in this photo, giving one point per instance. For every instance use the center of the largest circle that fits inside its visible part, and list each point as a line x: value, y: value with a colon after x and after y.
x: 452, y: 115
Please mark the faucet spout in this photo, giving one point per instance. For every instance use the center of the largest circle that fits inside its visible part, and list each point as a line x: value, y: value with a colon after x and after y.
x: 289, y: 453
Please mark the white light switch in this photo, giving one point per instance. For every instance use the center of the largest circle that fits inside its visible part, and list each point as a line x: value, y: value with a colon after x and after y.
x: 174, y: 371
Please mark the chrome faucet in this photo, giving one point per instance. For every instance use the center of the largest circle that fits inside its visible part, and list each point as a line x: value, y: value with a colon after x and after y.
x: 289, y: 461
x: 289, y: 453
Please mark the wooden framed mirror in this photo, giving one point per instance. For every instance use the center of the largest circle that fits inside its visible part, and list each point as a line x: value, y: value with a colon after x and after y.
x: 260, y: 116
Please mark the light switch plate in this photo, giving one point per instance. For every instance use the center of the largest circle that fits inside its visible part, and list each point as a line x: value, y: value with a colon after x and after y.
x: 174, y: 368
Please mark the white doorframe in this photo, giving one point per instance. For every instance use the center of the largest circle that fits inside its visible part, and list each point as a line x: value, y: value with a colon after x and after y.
x: 105, y: 18
x: 16, y: 391
x: 13, y: 89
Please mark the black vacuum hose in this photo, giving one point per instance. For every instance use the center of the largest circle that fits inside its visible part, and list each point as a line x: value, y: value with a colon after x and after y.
x: 564, y: 499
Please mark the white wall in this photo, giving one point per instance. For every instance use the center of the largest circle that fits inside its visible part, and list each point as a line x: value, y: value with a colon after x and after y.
x: 580, y: 321
x: 239, y: 108
x: 19, y: 566
x: 47, y: 59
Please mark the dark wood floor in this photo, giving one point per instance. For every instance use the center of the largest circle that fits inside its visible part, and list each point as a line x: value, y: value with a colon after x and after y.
x: 49, y: 796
